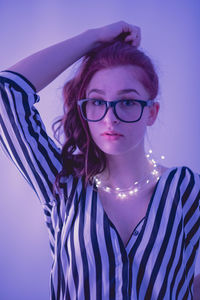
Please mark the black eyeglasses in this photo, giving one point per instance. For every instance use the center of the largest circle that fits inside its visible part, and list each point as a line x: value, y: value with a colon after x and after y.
x: 127, y: 110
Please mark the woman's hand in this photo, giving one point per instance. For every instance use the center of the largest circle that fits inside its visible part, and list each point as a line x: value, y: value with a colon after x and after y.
x: 129, y: 33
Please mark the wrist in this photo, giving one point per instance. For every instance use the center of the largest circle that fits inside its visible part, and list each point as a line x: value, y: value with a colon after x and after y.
x: 91, y: 36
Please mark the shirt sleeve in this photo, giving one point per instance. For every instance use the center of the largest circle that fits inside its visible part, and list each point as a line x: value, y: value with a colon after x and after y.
x: 190, y: 195
x: 24, y: 140
x: 23, y: 136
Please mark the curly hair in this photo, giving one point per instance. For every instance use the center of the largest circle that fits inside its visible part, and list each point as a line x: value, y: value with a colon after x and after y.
x: 91, y: 160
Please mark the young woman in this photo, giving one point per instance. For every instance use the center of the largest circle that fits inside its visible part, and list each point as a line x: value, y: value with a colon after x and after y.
x: 120, y: 225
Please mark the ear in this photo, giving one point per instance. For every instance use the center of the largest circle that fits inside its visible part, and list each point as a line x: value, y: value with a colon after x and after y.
x: 153, y: 112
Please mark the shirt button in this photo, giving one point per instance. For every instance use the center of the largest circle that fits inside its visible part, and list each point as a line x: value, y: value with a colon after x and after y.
x: 136, y: 232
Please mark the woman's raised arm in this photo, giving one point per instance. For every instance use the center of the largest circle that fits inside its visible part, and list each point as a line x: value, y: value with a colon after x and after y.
x: 44, y: 66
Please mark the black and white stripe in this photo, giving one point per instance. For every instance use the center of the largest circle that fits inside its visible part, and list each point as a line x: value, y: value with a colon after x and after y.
x: 89, y: 258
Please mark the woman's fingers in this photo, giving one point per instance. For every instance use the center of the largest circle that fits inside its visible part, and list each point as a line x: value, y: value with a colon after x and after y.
x: 134, y: 34
x: 125, y: 31
x: 134, y: 37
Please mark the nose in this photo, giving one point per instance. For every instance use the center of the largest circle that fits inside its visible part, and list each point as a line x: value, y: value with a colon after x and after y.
x: 110, y: 116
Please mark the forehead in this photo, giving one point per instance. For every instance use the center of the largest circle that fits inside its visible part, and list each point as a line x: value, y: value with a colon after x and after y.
x: 119, y: 77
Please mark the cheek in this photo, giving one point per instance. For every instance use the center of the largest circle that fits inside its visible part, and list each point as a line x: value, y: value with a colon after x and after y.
x: 136, y: 128
x: 94, y: 131
x: 136, y: 133
x: 92, y: 128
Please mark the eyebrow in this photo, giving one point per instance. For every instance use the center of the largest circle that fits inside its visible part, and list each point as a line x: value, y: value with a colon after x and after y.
x: 124, y: 91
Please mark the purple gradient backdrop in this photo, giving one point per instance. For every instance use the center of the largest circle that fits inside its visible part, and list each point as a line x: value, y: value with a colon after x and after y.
x: 170, y: 35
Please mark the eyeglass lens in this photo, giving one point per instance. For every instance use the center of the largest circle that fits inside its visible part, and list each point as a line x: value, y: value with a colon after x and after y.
x: 126, y: 110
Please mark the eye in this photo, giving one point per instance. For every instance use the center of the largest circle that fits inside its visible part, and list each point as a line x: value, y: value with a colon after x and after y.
x: 97, y: 102
x: 128, y: 102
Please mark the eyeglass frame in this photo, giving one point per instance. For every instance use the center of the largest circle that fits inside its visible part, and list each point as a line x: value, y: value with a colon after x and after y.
x: 112, y: 104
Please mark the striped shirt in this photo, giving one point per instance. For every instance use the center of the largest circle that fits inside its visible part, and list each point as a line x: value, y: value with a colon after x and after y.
x: 90, y: 260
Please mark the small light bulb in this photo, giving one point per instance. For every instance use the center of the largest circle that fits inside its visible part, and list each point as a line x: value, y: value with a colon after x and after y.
x: 154, y: 172
x: 122, y: 195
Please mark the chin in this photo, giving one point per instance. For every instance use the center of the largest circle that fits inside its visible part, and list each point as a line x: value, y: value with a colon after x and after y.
x: 111, y: 150
x: 120, y: 149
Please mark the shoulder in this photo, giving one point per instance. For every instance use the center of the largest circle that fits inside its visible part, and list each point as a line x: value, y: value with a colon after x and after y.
x: 182, y: 176
x: 16, y: 80
x: 182, y: 184
x: 184, y: 170
x: 189, y: 174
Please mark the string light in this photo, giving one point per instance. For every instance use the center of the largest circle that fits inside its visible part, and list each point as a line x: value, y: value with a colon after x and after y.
x: 137, y: 186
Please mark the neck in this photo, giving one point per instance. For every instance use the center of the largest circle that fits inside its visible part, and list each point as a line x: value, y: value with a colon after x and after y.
x: 129, y: 167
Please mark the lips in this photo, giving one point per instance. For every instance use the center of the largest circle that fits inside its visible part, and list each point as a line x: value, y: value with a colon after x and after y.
x: 111, y: 133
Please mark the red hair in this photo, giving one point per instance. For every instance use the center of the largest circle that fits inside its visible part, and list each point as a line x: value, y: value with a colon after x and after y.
x: 91, y: 160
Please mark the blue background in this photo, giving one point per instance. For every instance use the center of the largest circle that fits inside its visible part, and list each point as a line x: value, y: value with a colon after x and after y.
x: 170, y: 35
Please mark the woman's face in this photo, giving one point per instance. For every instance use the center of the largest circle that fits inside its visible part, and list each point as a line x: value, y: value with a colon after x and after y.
x: 121, y: 82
